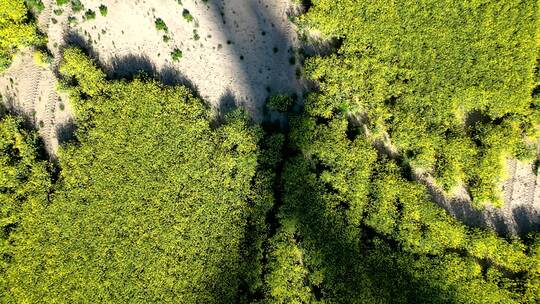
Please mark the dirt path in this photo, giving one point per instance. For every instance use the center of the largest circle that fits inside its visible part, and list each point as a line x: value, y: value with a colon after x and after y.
x: 30, y: 90
x: 520, y: 213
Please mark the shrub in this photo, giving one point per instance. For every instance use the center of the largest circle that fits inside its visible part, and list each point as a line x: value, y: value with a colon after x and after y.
x: 103, y: 10
x: 36, y: 5
x: 281, y: 103
x: 176, y: 54
x: 187, y: 15
x: 89, y: 15
x: 62, y: 2
x: 76, y: 6
x: 160, y: 25
x: 42, y: 58
x: 15, y: 30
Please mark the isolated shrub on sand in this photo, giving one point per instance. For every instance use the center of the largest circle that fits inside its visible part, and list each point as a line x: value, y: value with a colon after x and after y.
x: 89, y: 15
x: 160, y: 25
x: 176, y: 54
x: 103, y: 10
x: 187, y: 15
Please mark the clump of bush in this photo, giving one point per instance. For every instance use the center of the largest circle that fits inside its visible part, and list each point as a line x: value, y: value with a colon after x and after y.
x: 176, y: 54
x: 280, y: 103
x: 16, y: 31
x: 62, y: 2
x: 76, y: 6
x: 42, y: 58
x: 36, y: 5
x: 187, y: 15
x: 89, y: 15
x: 103, y: 10
x: 160, y: 25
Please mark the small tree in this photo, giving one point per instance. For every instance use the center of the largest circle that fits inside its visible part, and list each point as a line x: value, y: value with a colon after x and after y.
x: 160, y: 25
x: 281, y: 103
x: 103, y: 10
x: 176, y: 54
x: 187, y: 15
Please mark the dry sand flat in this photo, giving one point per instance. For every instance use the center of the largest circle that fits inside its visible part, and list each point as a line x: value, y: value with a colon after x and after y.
x: 234, y: 51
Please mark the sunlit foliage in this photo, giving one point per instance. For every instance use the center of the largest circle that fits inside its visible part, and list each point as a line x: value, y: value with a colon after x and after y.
x: 152, y: 203
x: 450, y: 81
x: 354, y: 230
x: 15, y: 30
x: 24, y: 188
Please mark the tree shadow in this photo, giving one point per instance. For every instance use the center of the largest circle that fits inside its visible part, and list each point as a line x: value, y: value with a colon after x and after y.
x: 527, y: 218
x: 65, y: 132
x: 352, y: 264
x: 131, y: 66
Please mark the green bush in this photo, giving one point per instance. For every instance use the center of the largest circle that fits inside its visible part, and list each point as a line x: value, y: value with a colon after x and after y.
x: 36, y: 5
x: 160, y: 25
x: 281, y: 103
x: 430, y: 75
x: 187, y: 15
x: 169, y: 223
x: 103, y: 10
x: 76, y: 6
x: 89, y: 15
x: 176, y: 54
x: 15, y: 30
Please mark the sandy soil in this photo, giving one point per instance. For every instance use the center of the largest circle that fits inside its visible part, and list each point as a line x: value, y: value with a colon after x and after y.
x: 30, y: 90
x: 235, y: 52
x: 520, y: 213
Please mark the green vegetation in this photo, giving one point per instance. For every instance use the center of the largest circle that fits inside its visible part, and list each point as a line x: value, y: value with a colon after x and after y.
x: 36, y: 5
x: 25, y: 184
x: 187, y: 15
x: 62, y: 2
x: 76, y: 6
x: 103, y: 10
x: 155, y: 199
x: 433, y: 76
x: 281, y: 103
x: 89, y: 15
x: 15, y: 30
x: 161, y: 26
x: 176, y: 54
x: 169, y: 225
x: 42, y: 58
x: 353, y: 230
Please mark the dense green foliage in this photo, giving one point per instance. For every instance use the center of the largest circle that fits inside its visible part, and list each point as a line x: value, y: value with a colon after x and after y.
x: 156, y: 200
x: 449, y: 81
x: 281, y: 103
x: 152, y: 203
x: 24, y: 186
x: 353, y: 230
x: 15, y: 30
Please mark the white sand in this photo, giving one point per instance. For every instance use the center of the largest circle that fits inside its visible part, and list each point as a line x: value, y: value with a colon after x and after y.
x: 520, y: 213
x: 214, y: 67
